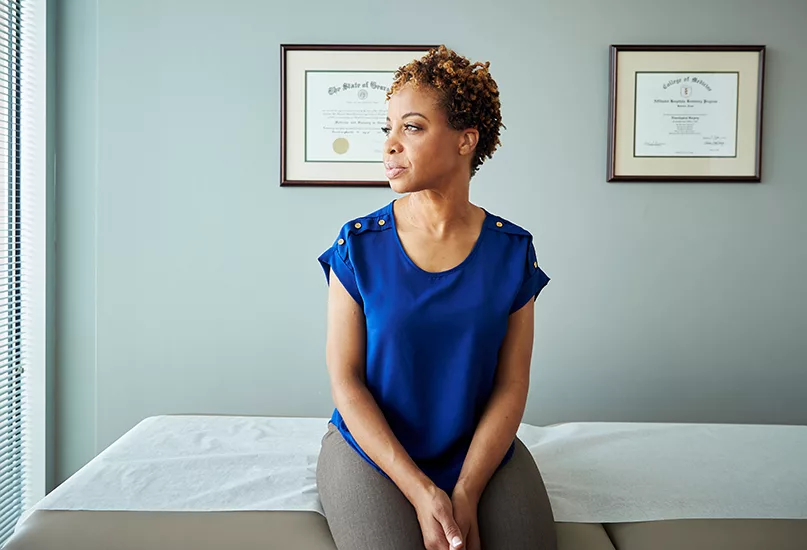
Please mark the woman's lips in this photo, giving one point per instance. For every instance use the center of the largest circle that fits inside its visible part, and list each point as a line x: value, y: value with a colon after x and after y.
x: 394, y: 171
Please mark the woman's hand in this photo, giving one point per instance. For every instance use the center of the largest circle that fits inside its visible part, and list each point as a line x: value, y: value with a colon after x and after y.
x: 436, y: 517
x: 465, y: 513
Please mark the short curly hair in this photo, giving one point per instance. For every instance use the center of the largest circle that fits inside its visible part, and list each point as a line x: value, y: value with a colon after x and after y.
x: 466, y: 91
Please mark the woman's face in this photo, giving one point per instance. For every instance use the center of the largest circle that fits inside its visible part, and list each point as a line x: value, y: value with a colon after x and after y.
x: 421, y: 150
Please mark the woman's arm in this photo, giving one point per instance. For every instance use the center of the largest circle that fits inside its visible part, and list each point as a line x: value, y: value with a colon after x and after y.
x: 345, y: 356
x: 500, y: 421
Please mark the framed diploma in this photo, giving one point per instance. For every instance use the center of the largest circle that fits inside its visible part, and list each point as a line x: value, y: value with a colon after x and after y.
x: 333, y: 109
x: 685, y: 113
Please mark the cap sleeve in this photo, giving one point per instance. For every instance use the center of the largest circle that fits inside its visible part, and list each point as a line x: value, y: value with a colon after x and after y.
x: 337, y: 259
x: 534, y: 280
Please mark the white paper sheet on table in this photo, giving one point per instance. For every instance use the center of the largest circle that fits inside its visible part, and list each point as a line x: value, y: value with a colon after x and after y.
x: 594, y: 472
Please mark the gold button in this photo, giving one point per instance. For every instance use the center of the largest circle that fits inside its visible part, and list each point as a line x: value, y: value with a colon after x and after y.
x: 535, y: 264
x: 499, y: 224
x: 357, y: 225
x: 381, y: 222
x: 341, y: 241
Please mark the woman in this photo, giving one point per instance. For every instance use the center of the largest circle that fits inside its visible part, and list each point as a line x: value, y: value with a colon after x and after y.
x: 430, y: 331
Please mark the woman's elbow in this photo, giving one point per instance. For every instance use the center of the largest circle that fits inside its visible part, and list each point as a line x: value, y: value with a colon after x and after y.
x: 514, y: 390
x: 346, y: 389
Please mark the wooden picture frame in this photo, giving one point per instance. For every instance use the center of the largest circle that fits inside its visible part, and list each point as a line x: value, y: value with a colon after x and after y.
x: 685, y: 113
x: 332, y: 105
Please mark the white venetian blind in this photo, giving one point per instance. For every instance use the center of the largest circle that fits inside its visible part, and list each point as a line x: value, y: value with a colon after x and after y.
x: 22, y: 257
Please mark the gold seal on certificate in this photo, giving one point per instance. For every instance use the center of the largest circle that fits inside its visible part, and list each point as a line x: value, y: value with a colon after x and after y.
x: 341, y: 145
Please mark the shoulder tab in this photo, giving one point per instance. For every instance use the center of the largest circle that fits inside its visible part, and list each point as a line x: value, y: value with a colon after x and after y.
x: 376, y: 221
x: 506, y: 226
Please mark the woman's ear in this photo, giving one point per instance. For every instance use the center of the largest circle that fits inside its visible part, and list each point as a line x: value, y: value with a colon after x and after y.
x: 468, y: 140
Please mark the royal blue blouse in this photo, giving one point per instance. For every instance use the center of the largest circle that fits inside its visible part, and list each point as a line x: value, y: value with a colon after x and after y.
x: 433, y: 339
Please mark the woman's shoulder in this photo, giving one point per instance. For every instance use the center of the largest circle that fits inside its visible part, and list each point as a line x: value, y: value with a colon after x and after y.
x: 502, y: 225
x: 378, y: 220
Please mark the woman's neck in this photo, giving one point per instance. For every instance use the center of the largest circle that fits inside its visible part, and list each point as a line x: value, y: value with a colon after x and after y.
x: 439, y: 212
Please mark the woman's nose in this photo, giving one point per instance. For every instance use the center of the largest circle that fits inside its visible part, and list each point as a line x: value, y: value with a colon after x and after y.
x: 392, y: 146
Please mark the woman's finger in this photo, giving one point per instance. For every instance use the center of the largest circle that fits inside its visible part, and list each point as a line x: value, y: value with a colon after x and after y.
x: 451, y: 530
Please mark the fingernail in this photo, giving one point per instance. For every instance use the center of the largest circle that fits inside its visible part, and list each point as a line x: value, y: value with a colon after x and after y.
x: 456, y: 542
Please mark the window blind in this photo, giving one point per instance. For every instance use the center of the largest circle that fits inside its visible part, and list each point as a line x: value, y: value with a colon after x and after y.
x: 22, y: 257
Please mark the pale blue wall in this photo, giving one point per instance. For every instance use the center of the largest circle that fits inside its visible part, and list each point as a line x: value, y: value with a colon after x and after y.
x: 188, y: 279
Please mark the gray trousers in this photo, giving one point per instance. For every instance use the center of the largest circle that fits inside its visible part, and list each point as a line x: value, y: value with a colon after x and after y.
x: 367, y: 511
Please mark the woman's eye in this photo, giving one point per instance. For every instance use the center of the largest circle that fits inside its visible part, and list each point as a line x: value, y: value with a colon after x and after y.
x: 407, y: 127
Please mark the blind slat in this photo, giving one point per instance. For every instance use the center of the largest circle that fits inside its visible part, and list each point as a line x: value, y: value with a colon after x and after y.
x: 9, y: 362
x: 11, y: 318
x: 4, y: 369
x: 15, y: 323
x: 12, y: 407
x: 11, y: 283
x: 8, y: 460
x: 13, y: 404
x: 6, y: 421
x: 4, y: 339
x: 17, y: 331
x: 8, y: 313
x: 10, y: 34
x: 15, y: 26
x: 12, y: 481
x: 10, y: 485
x: 10, y: 503
x: 11, y: 442
x: 7, y: 525
x: 15, y: 23
x: 12, y: 432
x: 8, y: 366
x: 9, y: 87
x: 7, y: 383
x: 12, y: 5
x: 10, y: 507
